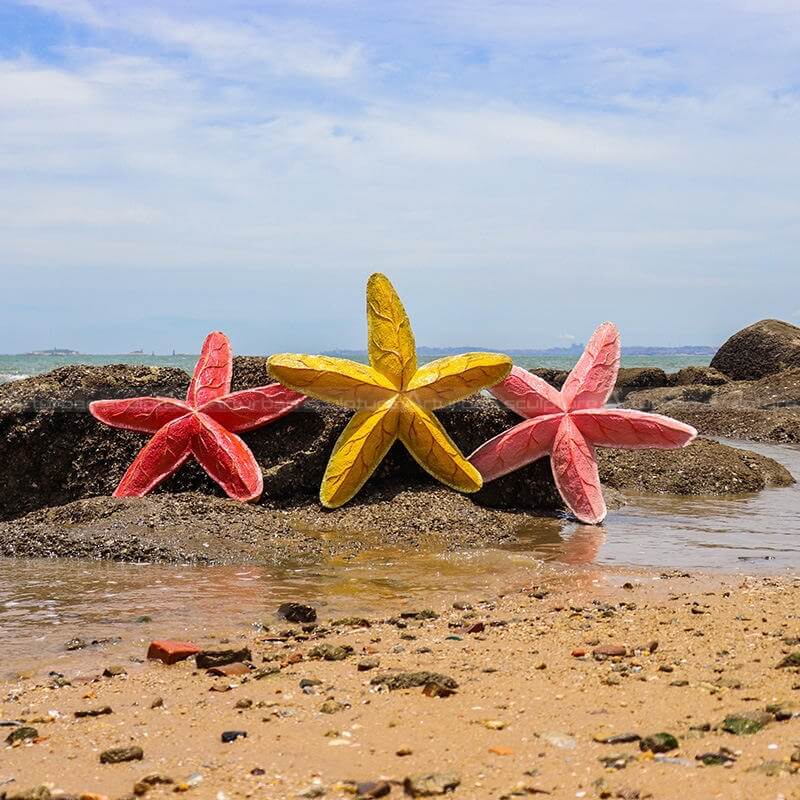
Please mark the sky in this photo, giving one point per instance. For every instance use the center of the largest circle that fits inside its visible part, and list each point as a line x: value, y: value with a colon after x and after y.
x: 522, y: 170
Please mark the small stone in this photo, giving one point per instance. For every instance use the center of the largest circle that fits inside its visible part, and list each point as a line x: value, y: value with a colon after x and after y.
x: 499, y: 750
x: 244, y: 703
x: 609, y: 651
x: 114, y: 671
x: 618, y: 738
x: 315, y: 790
x: 22, y: 734
x: 332, y: 707
x: 170, y: 652
x: 373, y: 789
x: 329, y: 652
x: 297, y: 612
x: 407, y: 751
x: 158, y: 702
x: 720, y: 758
x: 144, y: 785
x: 118, y: 755
x: 76, y: 644
x: 578, y: 652
x: 434, y: 689
x: 431, y: 784
x: 659, y: 743
x: 367, y: 664
x: 94, y: 712
x: 208, y: 659
x: 494, y: 724
x: 426, y: 613
x: 747, y: 723
x: 230, y: 670
x: 561, y: 740
x: 231, y: 736
x: 37, y: 793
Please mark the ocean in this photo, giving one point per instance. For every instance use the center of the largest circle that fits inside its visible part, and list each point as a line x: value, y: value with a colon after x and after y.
x: 14, y: 367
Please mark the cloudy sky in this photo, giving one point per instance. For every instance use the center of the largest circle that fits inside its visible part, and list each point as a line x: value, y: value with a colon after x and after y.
x: 522, y: 170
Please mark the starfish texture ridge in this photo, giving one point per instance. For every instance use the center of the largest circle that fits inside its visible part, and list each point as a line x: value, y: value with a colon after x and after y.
x: 393, y: 398
x: 570, y: 423
x: 204, y: 426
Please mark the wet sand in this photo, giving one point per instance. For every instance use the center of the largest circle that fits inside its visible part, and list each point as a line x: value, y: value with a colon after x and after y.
x: 525, y: 719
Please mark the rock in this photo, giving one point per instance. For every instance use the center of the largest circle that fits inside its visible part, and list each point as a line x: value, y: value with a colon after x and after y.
x: 719, y: 758
x: 207, y: 659
x: 76, y: 644
x: 431, y: 784
x: 609, y: 651
x: 410, y: 680
x: 332, y: 707
x: 746, y: 723
x: 618, y: 738
x: 230, y: 670
x: 563, y: 741
x: 144, y: 785
x: 24, y: 733
x: 367, y: 664
x: 631, y: 379
x: 659, y: 743
x: 297, y: 612
x: 329, y: 652
x: 94, y: 712
x: 118, y: 755
x: 704, y: 467
x: 763, y: 348
x: 373, y: 789
x: 114, y: 671
x: 792, y: 660
x: 171, y: 652
x: 555, y: 377
x: 231, y: 736
x: 37, y: 793
x: 708, y: 376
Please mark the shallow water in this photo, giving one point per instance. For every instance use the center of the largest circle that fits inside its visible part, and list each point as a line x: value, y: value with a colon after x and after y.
x: 45, y: 603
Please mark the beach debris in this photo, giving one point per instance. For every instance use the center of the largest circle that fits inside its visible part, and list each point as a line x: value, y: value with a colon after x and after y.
x: 297, y: 612
x: 746, y: 723
x: 567, y: 425
x: 431, y: 784
x: 146, y: 783
x: 658, y: 743
x: 393, y: 397
x: 119, y: 755
x: 329, y: 652
x: 231, y: 736
x: 208, y: 659
x: 410, y: 680
x: 24, y: 733
x: 171, y: 652
x: 204, y: 426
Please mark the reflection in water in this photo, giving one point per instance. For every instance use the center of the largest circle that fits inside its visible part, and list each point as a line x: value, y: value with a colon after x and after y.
x: 45, y: 603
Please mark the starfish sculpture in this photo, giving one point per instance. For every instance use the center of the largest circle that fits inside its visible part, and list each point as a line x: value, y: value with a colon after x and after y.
x: 393, y: 398
x: 204, y: 426
x: 568, y: 425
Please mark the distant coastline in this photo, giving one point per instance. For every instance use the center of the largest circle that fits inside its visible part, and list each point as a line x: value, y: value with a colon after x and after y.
x: 573, y: 350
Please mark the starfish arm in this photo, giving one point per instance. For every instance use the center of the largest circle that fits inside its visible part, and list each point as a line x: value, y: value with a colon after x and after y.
x: 212, y: 374
x: 335, y: 380
x: 158, y: 459
x: 390, y: 340
x: 592, y: 379
x: 516, y: 447
x: 227, y: 460
x: 454, y: 378
x: 622, y: 427
x: 145, y: 414
x: 252, y: 408
x: 527, y: 394
x: 575, y: 472
x: 361, y: 446
x: 434, y: 450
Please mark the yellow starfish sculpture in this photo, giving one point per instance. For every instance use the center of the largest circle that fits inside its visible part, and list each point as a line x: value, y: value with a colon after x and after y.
x: 393, y: 398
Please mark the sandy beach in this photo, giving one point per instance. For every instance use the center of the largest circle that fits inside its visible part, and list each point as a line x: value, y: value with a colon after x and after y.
x: 553, y: 690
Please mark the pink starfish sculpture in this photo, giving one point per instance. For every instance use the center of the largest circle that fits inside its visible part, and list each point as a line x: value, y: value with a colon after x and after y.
x: 569, y: 424
x: 204, y: 426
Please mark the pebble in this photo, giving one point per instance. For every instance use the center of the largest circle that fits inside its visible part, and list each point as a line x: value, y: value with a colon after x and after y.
x: 208, y: 659
x: 297, y: 612
x: 114, y: 671
x: 23, y: 734
x: 118, y: 755
x: 94, y: 712
x: 746, y: 723
x: 332, y: 707
x: 329, y: 652
x: 171, y: 652
x: 431, y: 784
x: 410, y: 680
x: 609, y: 651
x: 792, y: 660
x: 367, y: 664
x: 373, y: 789
x: 145, y: 784
x: 231, y: 736
x: 658, y: 743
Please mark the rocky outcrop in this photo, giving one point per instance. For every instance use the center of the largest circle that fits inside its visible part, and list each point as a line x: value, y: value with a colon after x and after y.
x: 52, y: 452
x: 764, y: 348
x: 765, y: 410
x: 707, y: 376
x: 631, y: 379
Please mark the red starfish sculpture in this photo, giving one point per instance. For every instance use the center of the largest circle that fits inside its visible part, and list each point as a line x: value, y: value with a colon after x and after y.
x: 568, y: 425
x: 204, y: 426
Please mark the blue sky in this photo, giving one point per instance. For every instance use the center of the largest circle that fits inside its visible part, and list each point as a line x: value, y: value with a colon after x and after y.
x: 521, y: 170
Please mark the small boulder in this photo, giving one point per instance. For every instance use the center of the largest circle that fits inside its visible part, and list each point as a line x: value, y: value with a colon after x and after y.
x: 431, y: 784
x: 119, y: 755
x: 766, y: 347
